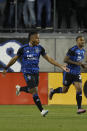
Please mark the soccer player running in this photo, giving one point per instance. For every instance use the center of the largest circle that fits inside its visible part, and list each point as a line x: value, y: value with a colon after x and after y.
x: 73, y: 58
x: 30, y: 54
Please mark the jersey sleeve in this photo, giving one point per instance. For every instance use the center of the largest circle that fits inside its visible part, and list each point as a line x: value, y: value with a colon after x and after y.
x: 43, y: 52
x: 70, y: 52
x: 20, y: 51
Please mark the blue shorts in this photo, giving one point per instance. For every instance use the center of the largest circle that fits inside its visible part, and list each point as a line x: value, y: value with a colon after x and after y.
x: 32, y: 80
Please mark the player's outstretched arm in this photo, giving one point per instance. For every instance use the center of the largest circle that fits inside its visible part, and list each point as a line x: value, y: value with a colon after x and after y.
x: 11, y: 62
x: 52, y: 61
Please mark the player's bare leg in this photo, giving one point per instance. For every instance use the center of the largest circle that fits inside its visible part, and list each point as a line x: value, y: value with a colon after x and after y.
x: 78, y: 86
x: 34, y: 92
x: 52, y: 91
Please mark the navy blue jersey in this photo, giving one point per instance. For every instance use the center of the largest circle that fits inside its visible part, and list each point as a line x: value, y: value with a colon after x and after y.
x: 77, y: 55
x: 30, y: 58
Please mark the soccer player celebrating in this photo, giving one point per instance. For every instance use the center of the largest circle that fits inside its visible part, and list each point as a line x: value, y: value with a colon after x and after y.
x: 73, y: 58
x: 30, y: 54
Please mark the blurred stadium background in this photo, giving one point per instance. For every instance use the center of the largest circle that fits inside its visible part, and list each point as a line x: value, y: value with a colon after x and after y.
x: 19, y: 113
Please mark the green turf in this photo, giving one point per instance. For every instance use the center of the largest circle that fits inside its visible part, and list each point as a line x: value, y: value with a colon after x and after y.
x: 28, y: 118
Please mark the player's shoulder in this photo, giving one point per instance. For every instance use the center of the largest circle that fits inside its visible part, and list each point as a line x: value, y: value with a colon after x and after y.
x: 40, y: 46
x: 84, y: 50
x: 24, y: 46
x: 73, y: 48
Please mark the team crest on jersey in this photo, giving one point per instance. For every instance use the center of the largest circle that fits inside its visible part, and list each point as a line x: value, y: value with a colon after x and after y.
x: 37, y: 50
x: 29, y: 77
x: 27, y: 51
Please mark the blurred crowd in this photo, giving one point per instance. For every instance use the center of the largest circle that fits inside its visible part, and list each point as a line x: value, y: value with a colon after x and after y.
x: 47, y: 14
x: 72, y: 13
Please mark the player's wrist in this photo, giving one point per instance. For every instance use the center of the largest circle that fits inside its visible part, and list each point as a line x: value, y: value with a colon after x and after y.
x: 62, y: 67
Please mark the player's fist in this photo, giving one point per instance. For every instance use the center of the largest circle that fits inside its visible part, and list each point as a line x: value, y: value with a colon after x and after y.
x: 4, y: 72
x: 65, y: 68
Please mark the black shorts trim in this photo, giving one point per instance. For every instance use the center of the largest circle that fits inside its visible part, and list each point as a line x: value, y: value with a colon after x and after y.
x: 68, y: 78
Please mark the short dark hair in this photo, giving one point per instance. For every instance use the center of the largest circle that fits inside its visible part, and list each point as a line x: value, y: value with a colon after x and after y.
x: 80, y: 36
x: 32, y: 33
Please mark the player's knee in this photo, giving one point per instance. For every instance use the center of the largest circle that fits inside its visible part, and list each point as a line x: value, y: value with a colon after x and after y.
x: 33, y: 91
x: 64, y: 89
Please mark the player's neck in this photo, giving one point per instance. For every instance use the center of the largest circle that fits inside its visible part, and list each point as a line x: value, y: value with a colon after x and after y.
x: 80, y: 47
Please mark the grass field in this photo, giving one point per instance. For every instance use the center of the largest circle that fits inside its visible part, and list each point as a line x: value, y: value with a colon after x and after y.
x: 28, y: 118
